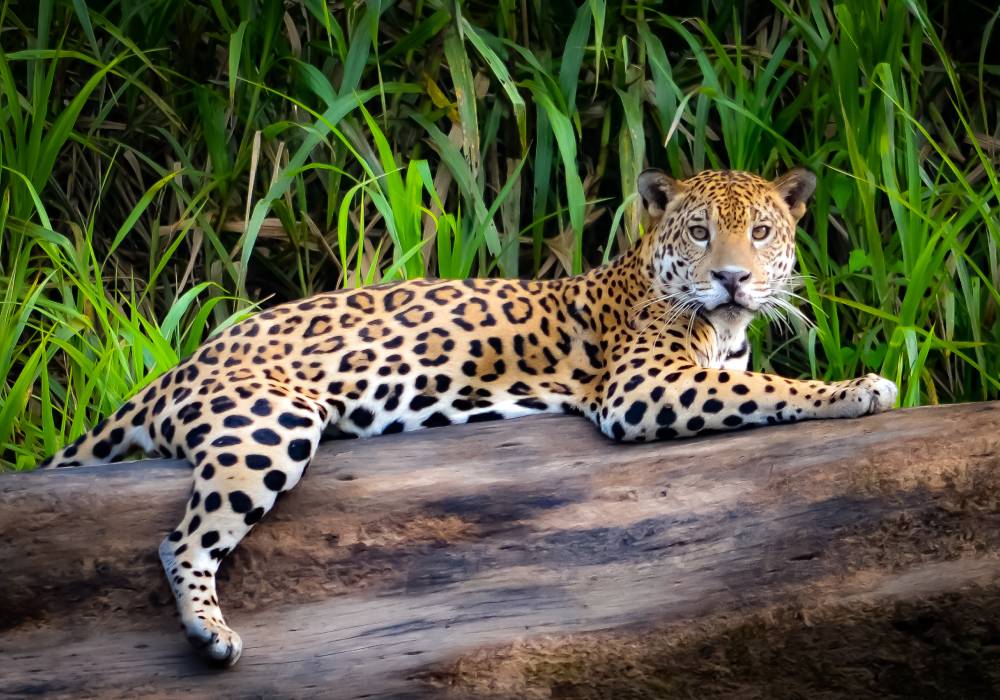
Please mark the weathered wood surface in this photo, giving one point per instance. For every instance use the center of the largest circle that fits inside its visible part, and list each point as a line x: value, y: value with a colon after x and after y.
x: 398, y: 555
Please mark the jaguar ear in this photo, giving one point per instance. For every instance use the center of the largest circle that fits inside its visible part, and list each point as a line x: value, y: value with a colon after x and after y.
x: 656, y: 189
x: 795, y: 187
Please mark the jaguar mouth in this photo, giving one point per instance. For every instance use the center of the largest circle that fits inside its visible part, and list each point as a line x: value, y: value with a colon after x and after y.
x: 728, y: 310
x: 732, y: 307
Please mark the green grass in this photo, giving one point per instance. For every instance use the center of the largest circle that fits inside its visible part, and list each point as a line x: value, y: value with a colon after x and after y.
x: 166, y: 167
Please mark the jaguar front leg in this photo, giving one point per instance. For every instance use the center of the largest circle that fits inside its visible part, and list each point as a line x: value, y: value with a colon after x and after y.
x: 658, y: 403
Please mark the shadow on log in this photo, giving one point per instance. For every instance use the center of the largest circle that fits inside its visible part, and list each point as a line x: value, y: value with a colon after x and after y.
x: 533, y: 558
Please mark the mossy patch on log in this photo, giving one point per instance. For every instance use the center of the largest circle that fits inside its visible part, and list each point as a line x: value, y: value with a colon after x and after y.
x: 946, y: 646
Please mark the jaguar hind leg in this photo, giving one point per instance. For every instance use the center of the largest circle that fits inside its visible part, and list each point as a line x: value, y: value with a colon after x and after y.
x: 237, y: 479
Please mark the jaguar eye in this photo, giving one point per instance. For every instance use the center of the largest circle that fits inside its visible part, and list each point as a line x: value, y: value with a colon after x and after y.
x: 760, y: 233
x: 698, y: 233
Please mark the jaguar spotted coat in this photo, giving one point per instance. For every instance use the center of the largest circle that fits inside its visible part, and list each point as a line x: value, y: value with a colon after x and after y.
x: 650, y: 346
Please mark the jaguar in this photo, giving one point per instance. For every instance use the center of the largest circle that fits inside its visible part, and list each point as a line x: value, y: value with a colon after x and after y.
x: 650, y: 346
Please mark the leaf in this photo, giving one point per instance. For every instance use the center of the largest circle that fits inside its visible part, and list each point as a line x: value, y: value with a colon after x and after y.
x: 502, y: 75
x: 465, y: 96
x: 858, y: 261
x: 562, y: 129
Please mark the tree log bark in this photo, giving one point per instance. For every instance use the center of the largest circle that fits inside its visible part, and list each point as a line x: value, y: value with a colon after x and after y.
x: 404, y: 565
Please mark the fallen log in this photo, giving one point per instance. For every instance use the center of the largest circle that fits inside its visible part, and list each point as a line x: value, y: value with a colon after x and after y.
x: 460, y: 561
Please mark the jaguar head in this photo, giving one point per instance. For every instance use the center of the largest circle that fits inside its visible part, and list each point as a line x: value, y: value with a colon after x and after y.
x: 724, y: 241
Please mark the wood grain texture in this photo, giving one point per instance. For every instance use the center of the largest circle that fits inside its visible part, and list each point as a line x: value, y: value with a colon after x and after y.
x: 398, y: 555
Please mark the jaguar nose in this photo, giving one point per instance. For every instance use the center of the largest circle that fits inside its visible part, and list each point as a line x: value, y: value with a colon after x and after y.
x: 731, y: 279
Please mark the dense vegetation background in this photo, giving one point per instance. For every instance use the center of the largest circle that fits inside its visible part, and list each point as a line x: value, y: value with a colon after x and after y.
x: 167, y: 166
